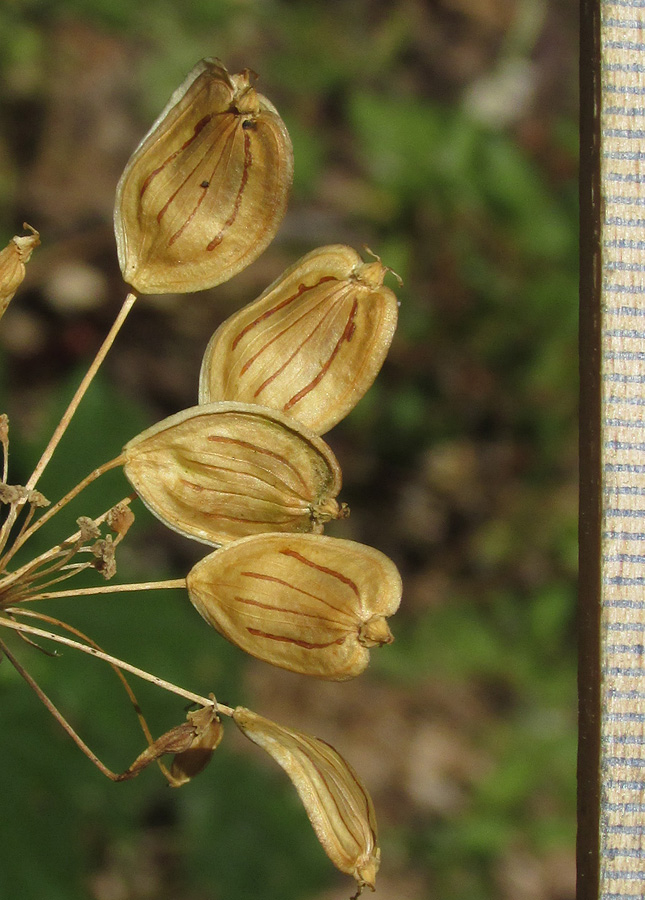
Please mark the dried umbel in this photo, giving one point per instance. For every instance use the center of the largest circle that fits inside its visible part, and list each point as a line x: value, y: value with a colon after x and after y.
x: 205, y: 191
x: 311, y: 344
x: 222, y: 471
x: 12, y: 264
x: 337, y: 803
x: 309, y: 603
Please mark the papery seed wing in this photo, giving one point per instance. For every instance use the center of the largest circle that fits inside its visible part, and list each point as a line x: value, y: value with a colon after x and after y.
x: 337, y: 803
x: 12, y: 264
x: 311, y: 345
x: 308, y: 603
x: 204, y: 193
x: 226, y: 470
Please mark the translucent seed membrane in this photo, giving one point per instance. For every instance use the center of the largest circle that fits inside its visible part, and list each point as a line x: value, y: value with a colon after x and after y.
x: 226, y: 470
x: 337, y: 803
x: 311, y: 344
x: 204, y: 193
x: 309, y: 603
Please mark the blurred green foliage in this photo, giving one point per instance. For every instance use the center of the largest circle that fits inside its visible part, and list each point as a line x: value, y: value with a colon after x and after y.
x: 483, y: 233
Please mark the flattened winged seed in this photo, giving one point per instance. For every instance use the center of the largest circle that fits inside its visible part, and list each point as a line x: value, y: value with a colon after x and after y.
x: 205, y: 191
x: 337, y: 803
x: 311, y: 345
x: 309, y: 603
x: 226, y: 470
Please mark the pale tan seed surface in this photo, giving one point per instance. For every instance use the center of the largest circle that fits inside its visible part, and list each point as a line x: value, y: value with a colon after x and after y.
x: 301, y: 602
x: 226, y: 470
x: 311, y: 345
x: 337, y: 803
x: 204, y: 193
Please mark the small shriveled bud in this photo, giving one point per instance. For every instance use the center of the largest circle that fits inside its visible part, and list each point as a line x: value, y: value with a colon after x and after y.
x: 337, y: 803
x: 222, y: 471
x: 88, y: 529
x: 207, y: 735
x: 12, y: 264
x: 311, y: 344
x: 193, y: 743
x: 308, y: 603
x: 120, y: 519
x: 205, y: 191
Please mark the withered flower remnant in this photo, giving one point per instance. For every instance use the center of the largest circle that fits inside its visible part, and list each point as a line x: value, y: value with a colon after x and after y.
x: 308, y: 603
x: 336, y: 801
x: 311, y: 344
x: 222, y: 471
x: 204, y: 193
x: 12, y: 264
x: 206, y: 737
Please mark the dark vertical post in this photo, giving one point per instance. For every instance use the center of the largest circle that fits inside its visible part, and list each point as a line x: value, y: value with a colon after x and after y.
x: 590, y: 457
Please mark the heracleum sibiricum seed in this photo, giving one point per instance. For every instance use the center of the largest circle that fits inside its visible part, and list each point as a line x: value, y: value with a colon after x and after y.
x: 12, y: 264
x: 223, y: 471
x: 336, y: 801
x: 205, y: 191
x: 311, y: 345
x: 308, y: 603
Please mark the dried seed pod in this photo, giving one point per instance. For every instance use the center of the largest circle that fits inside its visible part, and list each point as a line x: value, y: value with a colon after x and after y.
x: 193, y: 744
x: 206, y: 737
x: 311, y: 344
x: 306, y: 602
x: 205, y: 191
x: 222, y: 471
x: 337, y: 803
x: 12, y: 264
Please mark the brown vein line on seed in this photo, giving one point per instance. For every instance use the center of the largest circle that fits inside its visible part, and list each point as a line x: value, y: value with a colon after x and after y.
x: 306, y: 645
x: 248, y: 159
x: 361, y: 790
x: 248, y: 446
x: 333, y: 793
x: 299, y: 347
x: 266, y: 479
x: 200, y: 489
x: 190, y: 175
x: 280, y: 334
x: 179, y: 232
x: 289, y: 610
x: 345, y: 336
x: 340, y: 790
x: 265, y: 315
x: 273, y: 578
x: 198, y: 127
x: 307, y: 562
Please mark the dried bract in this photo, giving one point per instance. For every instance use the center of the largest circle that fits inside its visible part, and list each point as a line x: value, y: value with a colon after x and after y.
x: 12, y: 264
x: 311, y: 344
x: 205, y: 191
x: 337, y: 803
x: 223, y: 471
x: 309, y: 603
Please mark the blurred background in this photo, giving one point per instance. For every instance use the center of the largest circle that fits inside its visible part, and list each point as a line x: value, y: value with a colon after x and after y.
x: 443, y: 135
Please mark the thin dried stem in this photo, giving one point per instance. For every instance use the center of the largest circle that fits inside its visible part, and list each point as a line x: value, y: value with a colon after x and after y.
x: 52, y: 553
x: 57, y: 714
x: 112, y: 660
x: 69, y: 496
x: 128, y: 303
x: 112, y: 589
x: 61, y: 428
